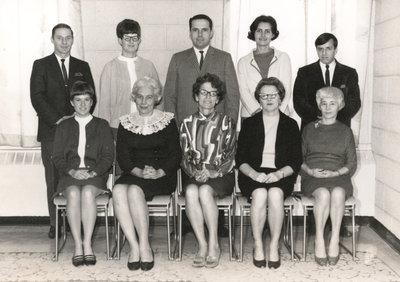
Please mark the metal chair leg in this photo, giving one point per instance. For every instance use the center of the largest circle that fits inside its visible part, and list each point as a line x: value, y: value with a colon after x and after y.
x: 304, y: 232
x: 107, y: 232
x: 168, y: 234
x: 56, y: 250
x: 353, y: 221
x: 241, y: 234
x: 180, y: 234
x: 230, y: 235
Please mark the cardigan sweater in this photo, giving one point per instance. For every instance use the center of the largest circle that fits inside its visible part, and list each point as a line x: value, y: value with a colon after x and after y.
x: 287, y: 145
x: 249, y: 75
x: 114, y: 99
x: 99, y: 151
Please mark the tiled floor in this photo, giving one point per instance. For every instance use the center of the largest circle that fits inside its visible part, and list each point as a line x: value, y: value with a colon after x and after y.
x: 26, y: 254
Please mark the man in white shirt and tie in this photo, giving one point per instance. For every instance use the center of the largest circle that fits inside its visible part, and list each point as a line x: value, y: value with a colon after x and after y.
x: 327, y: 71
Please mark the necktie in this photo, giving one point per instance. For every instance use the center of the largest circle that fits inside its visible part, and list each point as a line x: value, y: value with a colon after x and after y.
x: 64, y: 72
x: 327, y: 77
x: 201, y: 58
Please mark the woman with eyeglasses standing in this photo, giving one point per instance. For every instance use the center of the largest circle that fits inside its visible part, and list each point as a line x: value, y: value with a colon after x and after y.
x: 119, y: 75
x: 268, y: 157
x: 264, y: 61
x: 208, y: 142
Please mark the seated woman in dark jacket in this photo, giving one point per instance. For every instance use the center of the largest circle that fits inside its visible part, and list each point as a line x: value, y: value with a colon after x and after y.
x: 329, y: 162
x: 83, y: 154
x: 148, y: 153
x: 268, y: 158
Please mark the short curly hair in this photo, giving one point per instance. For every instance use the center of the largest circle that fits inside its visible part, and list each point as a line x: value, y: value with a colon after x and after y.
x: 273, y: 81
x: 263, y: 19
x: 150, y: 83
x: 330, y: 92
x: 216, y: 83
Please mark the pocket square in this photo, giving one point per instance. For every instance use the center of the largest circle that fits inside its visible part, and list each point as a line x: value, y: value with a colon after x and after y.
x: 343, y: 86
x: 78, y: 74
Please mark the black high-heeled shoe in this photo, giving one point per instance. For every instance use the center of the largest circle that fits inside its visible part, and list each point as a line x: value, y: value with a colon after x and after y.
x: 135, y: 265
x: 262, y: 263
x: 78, y: 260
x: 147, y: 265
x: 275, y: 264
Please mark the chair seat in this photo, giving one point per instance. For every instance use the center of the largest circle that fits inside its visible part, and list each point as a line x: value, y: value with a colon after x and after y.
x: 309, y: 201
x: 160, y: 200
x: 102, y: 199
x: 226, y: 201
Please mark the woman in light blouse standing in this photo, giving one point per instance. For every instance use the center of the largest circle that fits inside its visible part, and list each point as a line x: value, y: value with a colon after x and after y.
x: 209, y: 144
x: 264, y: 61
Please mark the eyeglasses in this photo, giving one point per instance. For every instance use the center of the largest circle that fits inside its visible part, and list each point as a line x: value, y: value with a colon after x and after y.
x: 268, y: 96
x: 206, y: 93
x: 131, y: 38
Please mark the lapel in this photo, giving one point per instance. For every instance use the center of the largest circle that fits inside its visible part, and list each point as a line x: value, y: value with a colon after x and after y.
x: 318, y: 74
x: 55, y: 68
x: 193, y: 60
x: 208, y: 58
x: 72, y: 70
x: 337, y: 74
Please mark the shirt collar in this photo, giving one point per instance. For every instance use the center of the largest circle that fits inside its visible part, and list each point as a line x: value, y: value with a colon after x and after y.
x: 59, y: 59
x: 197, y: 51
x: 331, y: 65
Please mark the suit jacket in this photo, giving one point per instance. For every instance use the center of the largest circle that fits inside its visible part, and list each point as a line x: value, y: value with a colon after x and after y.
x: 309, y: 79
x: 99, y: 149
x: 49, y: 96
x: 182, y: 73
x: 287, y: 146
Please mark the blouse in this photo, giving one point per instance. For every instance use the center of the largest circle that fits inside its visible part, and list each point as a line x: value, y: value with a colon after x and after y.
x: 207, y: 142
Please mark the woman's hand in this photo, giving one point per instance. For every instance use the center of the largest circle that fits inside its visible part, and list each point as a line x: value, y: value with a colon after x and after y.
x: 202, y: 175
x: 150, y: 172
x: 258, y: 176
x: 273, y: 177
x: 322, y: 173
x: 79, y: 174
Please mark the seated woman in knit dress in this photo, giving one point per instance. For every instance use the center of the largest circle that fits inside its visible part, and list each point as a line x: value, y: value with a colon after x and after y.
x: 330, y: 160
x: 83, y: 154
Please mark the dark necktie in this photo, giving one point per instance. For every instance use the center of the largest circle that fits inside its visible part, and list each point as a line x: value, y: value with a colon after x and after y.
x: 64, y: 72
x: 201, y: 58
x: 327, y: 77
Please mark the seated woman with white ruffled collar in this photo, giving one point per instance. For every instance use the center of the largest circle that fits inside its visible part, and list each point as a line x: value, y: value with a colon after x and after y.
x: 149, y: 154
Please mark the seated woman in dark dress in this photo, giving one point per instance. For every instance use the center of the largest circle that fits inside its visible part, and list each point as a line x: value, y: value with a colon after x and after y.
x: 209, y: 144
x: 83, y: 154
x: 268, y: 158
x: 148, y: 153
x: 329, y: 162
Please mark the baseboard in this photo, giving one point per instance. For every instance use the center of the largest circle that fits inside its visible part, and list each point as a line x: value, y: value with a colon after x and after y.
x: 385, y: 234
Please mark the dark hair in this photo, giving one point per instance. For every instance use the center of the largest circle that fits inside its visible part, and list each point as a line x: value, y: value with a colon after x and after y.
x: 61, y: 25
x: 128, y: 26
x: 263, y: 19
x: 325, y: 37
x: 81, y: 87
x: 216, y: 83
x: 200, y: 17
x: 270, y: 81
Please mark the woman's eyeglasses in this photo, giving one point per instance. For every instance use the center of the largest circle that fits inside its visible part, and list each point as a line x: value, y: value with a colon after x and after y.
x: 131, y: 38
x: 206, y: 93
x: 270, y: 96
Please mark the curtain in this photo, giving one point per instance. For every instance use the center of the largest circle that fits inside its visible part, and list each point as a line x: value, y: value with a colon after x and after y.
x: 299, y: 23
x: 25, y: 29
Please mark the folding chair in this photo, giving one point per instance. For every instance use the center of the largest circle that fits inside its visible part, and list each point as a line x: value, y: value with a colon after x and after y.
x: 227, y: 204
x: 102, y: 203
x: 349, y: 210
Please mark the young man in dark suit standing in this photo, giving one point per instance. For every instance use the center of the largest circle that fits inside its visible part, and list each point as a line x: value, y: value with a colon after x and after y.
x: 327, y: 71
x: 49, y: 87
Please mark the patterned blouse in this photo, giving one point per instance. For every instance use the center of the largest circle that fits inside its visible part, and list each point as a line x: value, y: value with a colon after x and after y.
x: 208, y: 142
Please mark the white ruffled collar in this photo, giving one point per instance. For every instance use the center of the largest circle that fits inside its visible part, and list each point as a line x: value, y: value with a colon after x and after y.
x: 146, y: 125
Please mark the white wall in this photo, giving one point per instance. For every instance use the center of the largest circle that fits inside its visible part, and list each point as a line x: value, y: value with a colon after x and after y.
x: 386, y: 114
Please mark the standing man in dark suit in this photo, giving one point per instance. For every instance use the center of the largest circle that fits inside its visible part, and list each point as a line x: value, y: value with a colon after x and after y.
x: 189, y: 64
x: 325, y: 72
x: 50, y: 80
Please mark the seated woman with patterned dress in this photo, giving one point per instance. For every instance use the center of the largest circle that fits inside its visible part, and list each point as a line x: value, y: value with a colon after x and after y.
x: 208, y: 141
x: 148, y: 153
x: 83, y: 155
x: 268, y: 158
x: 329, y: 162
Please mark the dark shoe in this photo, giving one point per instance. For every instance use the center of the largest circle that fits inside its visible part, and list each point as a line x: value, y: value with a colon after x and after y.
x: 147, y: 265
x: 333, y: 260
x: 259, y: 263
x: 321, y: 261
x: 90, y: 259
x: 223, y: 231
x: 274, y: 264
x: 135, y: 265
x: 52, y: 232
x: 78, y: 260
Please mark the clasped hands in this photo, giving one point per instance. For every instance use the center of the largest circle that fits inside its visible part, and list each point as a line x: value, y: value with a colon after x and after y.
x: 82, y: 174
x: 265, y: 178
x: 149, y: 172
x: 322, y: 173
x: 204, y: 174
